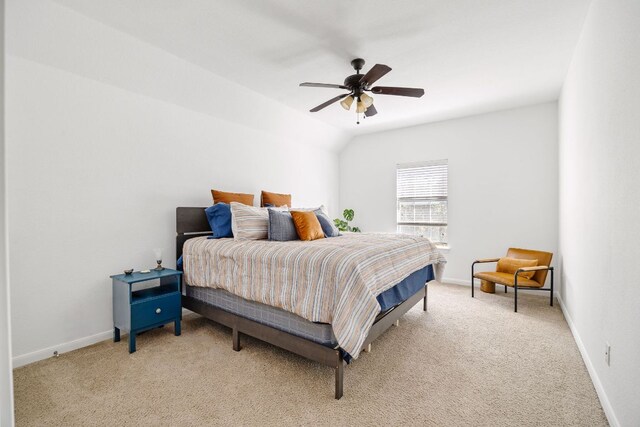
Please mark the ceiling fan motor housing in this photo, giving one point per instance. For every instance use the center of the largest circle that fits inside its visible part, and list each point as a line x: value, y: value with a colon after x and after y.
x: 353, y: 81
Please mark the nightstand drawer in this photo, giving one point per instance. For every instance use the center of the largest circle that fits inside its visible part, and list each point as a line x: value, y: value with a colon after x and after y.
x: 156, y: 310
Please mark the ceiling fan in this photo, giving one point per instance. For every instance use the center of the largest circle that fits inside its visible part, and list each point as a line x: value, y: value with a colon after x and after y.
x: 357, y: 84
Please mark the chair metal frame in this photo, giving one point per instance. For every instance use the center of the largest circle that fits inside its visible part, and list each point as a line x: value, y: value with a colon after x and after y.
x: 515, y: 280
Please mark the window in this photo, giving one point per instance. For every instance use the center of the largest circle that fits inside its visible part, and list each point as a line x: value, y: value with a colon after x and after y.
x: 422, y: 199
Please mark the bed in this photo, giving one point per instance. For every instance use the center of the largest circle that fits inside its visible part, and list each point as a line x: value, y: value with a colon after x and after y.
x: 324, y: 300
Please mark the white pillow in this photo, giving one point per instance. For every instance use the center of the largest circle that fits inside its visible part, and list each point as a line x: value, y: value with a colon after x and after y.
x: 250, y: 222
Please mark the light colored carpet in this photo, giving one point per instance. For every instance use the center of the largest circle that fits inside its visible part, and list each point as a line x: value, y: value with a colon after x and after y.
x: 465, y: 362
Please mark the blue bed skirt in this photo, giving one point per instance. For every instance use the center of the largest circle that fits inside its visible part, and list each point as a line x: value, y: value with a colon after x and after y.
x: 403, y: 290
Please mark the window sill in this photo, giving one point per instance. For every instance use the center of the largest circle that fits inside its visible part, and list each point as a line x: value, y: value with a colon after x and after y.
x: 444, y: 248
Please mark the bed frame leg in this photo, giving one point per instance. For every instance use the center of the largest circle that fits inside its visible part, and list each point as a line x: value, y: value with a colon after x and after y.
x: 236, y: 339
x: 339, y: 377
x: 424, y: 304
x: 367, y: 349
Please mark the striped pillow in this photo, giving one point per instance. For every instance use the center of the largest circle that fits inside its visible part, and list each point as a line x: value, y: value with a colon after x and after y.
x: 250, y: 222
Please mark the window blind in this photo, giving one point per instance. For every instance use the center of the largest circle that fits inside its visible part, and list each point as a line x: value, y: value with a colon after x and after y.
x: 422, y: 199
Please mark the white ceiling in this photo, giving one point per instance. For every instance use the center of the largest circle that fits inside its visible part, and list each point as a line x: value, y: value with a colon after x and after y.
x: 471, y: 56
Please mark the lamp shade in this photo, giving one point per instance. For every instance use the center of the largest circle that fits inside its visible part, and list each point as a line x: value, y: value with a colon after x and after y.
x: 346, y: 103
x: 367, y: 100
x: 360, y: 107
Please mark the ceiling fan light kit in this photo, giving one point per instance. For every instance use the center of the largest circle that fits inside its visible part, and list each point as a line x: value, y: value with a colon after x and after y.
x: 346, y: 103
x: 357, y: 84
x: 366, y: 99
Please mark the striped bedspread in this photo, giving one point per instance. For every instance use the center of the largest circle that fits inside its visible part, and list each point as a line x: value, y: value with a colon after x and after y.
x: 334, y: 280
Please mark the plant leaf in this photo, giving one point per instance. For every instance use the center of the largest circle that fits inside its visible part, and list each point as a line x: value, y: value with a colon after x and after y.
x: 340, y: 224
x: 348, y: 214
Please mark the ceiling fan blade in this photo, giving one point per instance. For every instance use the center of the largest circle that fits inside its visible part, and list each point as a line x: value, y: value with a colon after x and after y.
x: 371, y: 111
x: 329, y: 102
x: 307, y: 84
x: 375, y: 73
x: 399, y: 91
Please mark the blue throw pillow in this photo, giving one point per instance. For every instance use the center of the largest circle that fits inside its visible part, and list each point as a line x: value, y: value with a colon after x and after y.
x: 327, y: 225
x: 281, y: 227
x: 219, y: 217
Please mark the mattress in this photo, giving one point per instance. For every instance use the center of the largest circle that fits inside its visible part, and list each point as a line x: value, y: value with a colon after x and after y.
x: 321, y: 333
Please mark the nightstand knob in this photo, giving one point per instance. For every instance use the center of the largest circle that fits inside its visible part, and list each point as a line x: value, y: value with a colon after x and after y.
x: 158, y: 310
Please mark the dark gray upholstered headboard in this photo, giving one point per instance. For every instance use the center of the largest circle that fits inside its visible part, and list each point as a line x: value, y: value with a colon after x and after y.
x: 190, y: 223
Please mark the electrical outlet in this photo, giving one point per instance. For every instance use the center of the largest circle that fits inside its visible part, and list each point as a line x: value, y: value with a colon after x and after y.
x: 607, y: 354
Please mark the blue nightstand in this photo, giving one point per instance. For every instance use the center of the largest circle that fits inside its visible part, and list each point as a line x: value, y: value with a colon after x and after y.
x: 135, y: 311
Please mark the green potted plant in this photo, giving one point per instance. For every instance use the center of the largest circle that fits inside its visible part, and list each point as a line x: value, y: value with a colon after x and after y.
x: 343, y: 224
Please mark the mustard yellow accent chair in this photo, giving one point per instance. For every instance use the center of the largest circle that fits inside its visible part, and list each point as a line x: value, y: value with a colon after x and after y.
x: 515, y: 274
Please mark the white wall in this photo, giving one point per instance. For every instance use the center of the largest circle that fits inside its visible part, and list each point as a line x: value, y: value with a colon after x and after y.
x: 6, y: 386
x: 503, y: 172
x: 106, y: 136
x: 600, y: 202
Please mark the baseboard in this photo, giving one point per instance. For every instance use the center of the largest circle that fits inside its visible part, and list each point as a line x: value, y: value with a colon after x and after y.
x: 45, y: 353
x: 456, y: 281
x: 602, y: 395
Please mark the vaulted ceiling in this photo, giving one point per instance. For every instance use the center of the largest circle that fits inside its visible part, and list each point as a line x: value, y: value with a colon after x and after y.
x: 471, y: 56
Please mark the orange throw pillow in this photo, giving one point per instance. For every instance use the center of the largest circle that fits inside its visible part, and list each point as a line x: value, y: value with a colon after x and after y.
x: 307, y: 225
x: 511, y: 265
x: 275, y: 199
x: 224, y: 197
